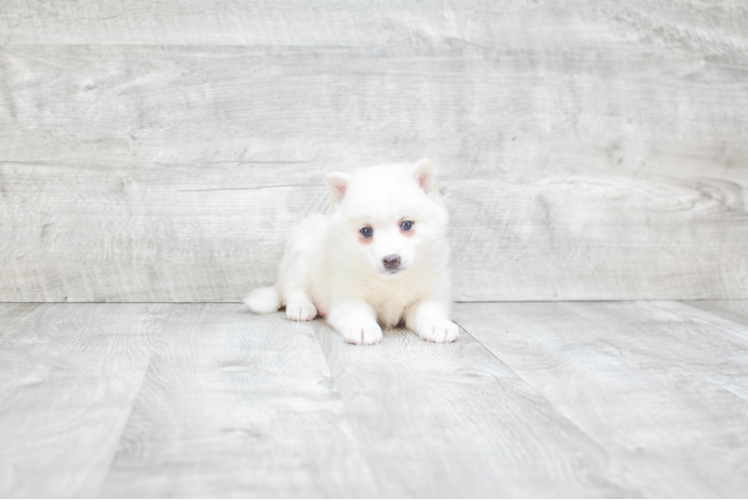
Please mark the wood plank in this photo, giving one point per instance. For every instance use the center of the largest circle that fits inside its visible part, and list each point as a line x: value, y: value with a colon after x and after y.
x: 591, y: 152
x: 604, y: 399
x: 664, y: 393
x: 153, y: 236
x: 68, y: 376
x: 735, y: 311
x: 597, y: 237
x: 453, y: 421
x: 237, y: 405
x: 480, y: 110
x: 179, y: 235
x: 343, y: 23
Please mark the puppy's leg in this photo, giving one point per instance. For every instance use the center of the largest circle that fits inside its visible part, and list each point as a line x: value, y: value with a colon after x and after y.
x: 430, y: 320
x: 356, y: 321
x: 295, y: 269
x: 299, y: 307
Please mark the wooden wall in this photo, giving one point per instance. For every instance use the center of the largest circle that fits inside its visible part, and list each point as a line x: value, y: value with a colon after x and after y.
x: 161, y: 150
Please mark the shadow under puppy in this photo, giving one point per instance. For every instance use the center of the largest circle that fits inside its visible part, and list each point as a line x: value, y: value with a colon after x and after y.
x: 381, y: 259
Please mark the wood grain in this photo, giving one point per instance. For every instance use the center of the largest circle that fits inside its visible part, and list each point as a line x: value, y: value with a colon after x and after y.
x: 153, y: 236
x: 598, y: 237
x: 706, y: 25
x: 554, y: 399
x: 160, y: 151
x: 237, y: 405
x: 68, y: 376
x: 181, y: 237
x: 735, y: 311
x: 479, y: 110
x: 662, y: 390
x: 454, y: 421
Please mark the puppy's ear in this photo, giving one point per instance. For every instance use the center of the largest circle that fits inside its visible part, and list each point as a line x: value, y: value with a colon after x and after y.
x: 425, y: 174
x: 337, y: 183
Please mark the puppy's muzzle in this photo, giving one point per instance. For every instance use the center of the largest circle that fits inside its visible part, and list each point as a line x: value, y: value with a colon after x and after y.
x: 391, y: 261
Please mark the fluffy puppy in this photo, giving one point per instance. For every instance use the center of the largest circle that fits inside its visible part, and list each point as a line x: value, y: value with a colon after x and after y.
x: 380, y: 260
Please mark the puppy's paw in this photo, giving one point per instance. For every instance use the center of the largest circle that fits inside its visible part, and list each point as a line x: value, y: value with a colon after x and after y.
x: 363, y: 335
x: 301, y: 311
x: 439, y: 331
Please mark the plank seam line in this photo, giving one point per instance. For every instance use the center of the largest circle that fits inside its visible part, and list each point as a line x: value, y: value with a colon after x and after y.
x: 360, y: 443
x: 638, y: 298
x: 495, y: 356
x: 247, y: 188
x: 730, y: 333
x: 327, y: 362
x: 134, y: 399
x: 740, y: 331
x: 567, y: 419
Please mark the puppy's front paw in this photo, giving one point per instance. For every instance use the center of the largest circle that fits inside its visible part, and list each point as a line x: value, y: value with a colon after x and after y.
x: 439, y: 331
x: 301, y: 311
x: 363, y: 335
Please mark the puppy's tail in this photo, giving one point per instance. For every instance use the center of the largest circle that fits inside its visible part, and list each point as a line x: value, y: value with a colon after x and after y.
x: 263, y: 300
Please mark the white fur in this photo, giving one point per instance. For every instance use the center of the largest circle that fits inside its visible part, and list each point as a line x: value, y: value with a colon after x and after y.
x: 331, y: 270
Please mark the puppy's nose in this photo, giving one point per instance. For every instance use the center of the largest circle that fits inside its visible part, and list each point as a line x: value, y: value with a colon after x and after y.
x: 391, y: 261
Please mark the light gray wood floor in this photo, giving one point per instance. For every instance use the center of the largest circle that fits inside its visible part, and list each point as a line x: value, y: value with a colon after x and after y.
x: 601, y: 399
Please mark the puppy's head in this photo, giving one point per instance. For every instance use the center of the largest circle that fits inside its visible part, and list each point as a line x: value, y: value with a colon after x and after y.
x: 388, y: 214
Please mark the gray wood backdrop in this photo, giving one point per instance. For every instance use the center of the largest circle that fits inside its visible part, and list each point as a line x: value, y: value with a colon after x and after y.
x: 161, y: 150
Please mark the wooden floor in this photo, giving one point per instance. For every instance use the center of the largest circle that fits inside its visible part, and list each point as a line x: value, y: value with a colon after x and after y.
x: 580, y: 399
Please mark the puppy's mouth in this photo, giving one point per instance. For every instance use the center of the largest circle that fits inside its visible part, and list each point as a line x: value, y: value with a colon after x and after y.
x: 391, y: 272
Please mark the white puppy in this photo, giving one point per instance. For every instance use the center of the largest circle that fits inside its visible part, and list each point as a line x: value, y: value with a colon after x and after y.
x: 380, y: 260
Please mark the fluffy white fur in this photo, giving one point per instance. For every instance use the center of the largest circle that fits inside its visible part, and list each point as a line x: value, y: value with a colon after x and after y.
x: 331, y: 269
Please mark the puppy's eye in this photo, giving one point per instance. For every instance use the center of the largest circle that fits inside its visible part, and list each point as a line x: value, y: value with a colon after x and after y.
x: 407, y: 225
x: 366, y: 232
